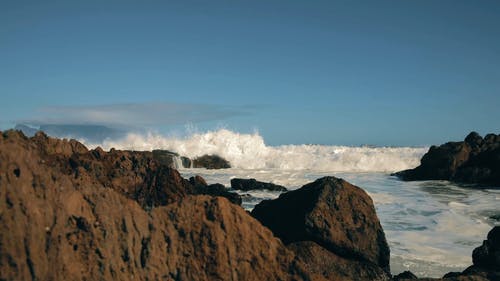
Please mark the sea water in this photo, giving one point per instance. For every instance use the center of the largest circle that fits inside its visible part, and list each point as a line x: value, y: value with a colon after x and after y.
x: 431, y: 226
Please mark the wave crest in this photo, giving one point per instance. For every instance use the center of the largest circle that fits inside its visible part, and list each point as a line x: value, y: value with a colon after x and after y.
x: 249, y: 151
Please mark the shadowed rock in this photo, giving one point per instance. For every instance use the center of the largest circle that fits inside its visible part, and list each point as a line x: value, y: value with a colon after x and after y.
x: 333, y: 213
x: 253, y: 184
x: 318, y: 260
x: 474, y: 160
x: 211, y: 162
x: 201, y: 187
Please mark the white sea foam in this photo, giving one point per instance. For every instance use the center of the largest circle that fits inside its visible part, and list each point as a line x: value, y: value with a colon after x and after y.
x: 249, y: 151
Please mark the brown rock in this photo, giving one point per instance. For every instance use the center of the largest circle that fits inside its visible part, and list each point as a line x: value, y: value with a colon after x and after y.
x: 318, y: 260
x: 335, y: 214
x: 66, y: 216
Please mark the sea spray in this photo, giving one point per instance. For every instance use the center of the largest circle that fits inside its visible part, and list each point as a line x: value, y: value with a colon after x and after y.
x: 249, y: 151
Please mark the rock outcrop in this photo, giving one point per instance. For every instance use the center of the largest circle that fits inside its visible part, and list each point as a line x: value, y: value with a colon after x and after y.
x: 169, y: 158
x: 67, y: 213
x: 216, y: 189
x: 337, y: 216
x: 486, y: 258
x: 474, y: 160
x: 211, y: 162
x: 253, y: 184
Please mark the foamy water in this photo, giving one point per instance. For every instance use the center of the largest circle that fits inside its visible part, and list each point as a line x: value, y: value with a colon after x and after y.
x: 431, y: 226
x: 249, y: 151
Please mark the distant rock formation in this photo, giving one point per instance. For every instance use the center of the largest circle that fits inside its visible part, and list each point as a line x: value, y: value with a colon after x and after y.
x: 253, y: 184
x: 211, y: 162
x: 340, y: 219
x: 474, y: 160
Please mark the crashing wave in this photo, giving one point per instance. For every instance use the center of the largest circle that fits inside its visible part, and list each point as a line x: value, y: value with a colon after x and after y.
x: 249, y: 151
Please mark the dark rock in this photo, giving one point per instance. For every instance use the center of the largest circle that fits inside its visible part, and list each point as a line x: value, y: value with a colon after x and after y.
x: 451, y: 274
x: 165, y: 157
x: 486, y: 261
x: 406, y: 275
x: 211, y: 162
x: 439, y: 163
x: 201, y: 187
x: 474, y: 140
x: 253, y: 184
x: 475, y: 160
x: 198, y: 181
x: 335, y: 214
x: 488, y: 255
x: 320, y: 261
x: 495, y: 217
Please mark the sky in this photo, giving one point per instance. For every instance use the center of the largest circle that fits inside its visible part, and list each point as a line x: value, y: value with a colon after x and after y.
x: 324, y: 72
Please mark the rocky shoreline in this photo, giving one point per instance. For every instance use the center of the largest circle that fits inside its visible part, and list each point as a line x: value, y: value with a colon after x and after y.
x: 69, y: 213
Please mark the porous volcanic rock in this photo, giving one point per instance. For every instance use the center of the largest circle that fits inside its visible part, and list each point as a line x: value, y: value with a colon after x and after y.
x: 333, y: 213
x: 211, y: 162
x: 474, y: 160
x: 253, y: 184
x: 64, y: 215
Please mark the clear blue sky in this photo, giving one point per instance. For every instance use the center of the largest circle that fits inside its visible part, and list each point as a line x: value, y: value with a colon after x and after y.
x: 329, y: 72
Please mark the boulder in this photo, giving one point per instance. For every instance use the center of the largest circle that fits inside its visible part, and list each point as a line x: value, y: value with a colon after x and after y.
x: 474, y: 160
x: 211, y: 162
x: 487, y: 256
x: 253, y: 184
x: 439, y: 163
x: 333, y: 213
x: 318, y: 260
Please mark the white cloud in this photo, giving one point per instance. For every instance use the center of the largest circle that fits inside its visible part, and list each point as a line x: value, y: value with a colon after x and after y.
x: 133, y: 114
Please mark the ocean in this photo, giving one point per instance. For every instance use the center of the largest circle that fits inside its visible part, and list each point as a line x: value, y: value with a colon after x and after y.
x: 431, y: 226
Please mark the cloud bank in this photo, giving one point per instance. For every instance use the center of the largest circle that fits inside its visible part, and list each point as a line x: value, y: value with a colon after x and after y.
x: 132, y: 114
